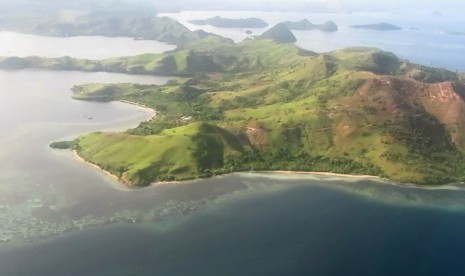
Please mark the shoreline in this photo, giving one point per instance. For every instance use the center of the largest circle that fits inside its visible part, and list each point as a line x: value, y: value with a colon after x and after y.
x: 109, y: 174
x: 115, y: 177
x: 282, y: 172
x: 105, y: 172
x: 142, y: 106
x: 128, y: 184
x: 130, y: 187
x: 324, y: 174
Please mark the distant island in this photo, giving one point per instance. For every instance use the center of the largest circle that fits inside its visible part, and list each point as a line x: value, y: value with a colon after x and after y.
x: 378, y: 27
x: 304, y: 25
x: 101, y: 23
x: 221, y: 22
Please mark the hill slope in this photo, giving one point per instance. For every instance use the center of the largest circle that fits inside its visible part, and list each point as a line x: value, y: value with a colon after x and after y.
x: 274, y: 106
x: 174, y: 154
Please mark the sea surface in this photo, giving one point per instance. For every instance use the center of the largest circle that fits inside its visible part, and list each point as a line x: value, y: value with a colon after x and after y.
x: 60, y: 216
x: 86, y: 47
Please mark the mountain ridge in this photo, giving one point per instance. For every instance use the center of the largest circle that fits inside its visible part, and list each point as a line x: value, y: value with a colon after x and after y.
x: 265, y: 104
x: 356, y: 110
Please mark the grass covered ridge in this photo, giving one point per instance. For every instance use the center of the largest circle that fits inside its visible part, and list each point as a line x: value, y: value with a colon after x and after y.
x: 259, y: 105
x: 193, y: 150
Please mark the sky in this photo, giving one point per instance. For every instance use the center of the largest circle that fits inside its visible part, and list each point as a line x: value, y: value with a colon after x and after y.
x: 276, y: 5
x: 317, y: 5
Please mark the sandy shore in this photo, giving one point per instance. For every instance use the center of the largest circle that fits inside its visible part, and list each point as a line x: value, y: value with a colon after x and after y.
x: 142, y: 106
x: 107, y: 173
x: 122, y: 181
x: 325, y: 174
x: 78, y: 157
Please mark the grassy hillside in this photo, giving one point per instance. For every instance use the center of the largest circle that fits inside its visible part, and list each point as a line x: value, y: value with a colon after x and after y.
x: 259, y: 105
x: 263, y: 104
x: 193, y: 150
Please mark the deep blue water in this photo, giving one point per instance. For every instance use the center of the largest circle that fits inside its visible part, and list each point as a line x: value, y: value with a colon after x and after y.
x: 300, y: 230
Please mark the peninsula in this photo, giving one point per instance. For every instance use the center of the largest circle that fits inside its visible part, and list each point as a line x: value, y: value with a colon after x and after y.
x: 265, y: 104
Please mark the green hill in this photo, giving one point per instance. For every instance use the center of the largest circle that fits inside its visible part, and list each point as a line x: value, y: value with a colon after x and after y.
x: 259, y: 105
x: 279, y: 34
x: 194, y: 150
x: 137, y: 24
x: 263, y: 104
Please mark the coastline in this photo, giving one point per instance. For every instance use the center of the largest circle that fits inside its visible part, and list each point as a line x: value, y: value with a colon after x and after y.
x: 128, y: 184
x: 325, y: 174
x: 105, y: 172
x: 277, y: 172
x: 142, y: 106
x: 109, y: 174
x: 282, y: 172
x: 115, y: 177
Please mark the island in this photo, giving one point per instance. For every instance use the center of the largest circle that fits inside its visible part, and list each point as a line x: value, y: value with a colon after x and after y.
x: 221, y: 22
x: 262, y: 104
x: 138, y: 25
x: 378, y: 27
x: 305, y: 25
x: 266, y: 104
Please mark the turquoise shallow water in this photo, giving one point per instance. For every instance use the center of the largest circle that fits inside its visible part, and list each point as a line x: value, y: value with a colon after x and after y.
x: 272, y: 227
